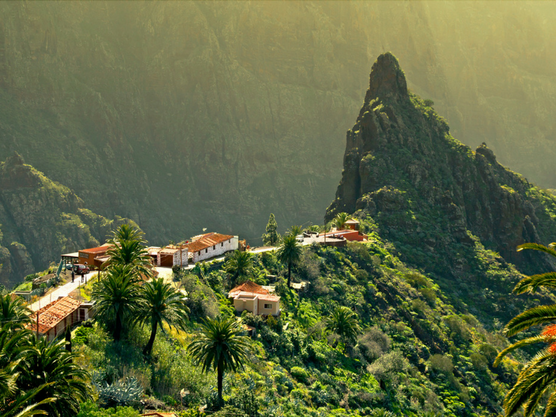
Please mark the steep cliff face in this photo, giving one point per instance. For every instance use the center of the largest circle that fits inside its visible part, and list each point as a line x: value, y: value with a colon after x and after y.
x: 182, y: 115
x: 438, y: 201
x: 40, y: 220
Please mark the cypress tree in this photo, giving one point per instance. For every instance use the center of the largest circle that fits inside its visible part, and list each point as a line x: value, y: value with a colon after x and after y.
x: 271, y: 237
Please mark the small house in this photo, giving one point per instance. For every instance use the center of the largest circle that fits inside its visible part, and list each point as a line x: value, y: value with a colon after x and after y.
x: 88, y: 256
x: 255, y: 299
x: 57, y: 316
x: 169, y: 256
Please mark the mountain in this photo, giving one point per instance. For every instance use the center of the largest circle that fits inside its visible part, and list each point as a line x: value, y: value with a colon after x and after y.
x: 184, y: 115
x: 40, y: 220
x: 442, y: 205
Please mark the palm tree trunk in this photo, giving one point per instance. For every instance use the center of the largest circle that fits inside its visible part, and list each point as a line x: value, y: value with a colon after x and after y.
x: 220, y: 376
x: 149, y: 347
x: 118, y: 328
x: 289, y: 274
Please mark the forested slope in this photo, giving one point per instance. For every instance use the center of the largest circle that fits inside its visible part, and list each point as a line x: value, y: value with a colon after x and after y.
x: 202, y: 113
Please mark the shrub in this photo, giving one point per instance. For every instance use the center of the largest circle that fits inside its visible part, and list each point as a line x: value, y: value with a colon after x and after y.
x: 441, y: 363
x: 300, y: 374
x: 373, y: 344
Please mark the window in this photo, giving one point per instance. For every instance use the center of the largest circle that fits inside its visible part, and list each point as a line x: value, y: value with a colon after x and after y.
x: 268, y: 306
x: 199, y: 253
x: 222, y: 244
x: 214, y: 247
x: 206, y: 250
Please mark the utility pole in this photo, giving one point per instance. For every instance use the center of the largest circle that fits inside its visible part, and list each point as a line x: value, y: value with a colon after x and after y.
x: 38, y: 323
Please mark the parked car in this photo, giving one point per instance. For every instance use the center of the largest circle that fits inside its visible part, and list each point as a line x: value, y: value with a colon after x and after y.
x: 81, y: 269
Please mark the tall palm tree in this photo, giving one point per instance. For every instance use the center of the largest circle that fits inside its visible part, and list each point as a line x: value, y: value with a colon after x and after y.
x: 289, y: 253
x: 132, y: 253
x: 340, y: 220
x: 539, y: 375
x: 161, y: 304
x: 238, y: 266
x: 51, y: 369
x: 117, y: 297
x: 295, y: 230
x: 344, y: 322
x: 128, y: 232
x: 12, y: 311
x: 221, y: 346
x: 14, y: 343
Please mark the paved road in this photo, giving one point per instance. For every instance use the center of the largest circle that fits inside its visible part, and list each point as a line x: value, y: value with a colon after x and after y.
x: 61, y: 291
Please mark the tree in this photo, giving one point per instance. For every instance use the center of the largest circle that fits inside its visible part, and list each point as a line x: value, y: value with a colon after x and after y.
x: 128, y: 248
x: 295, y: 230
x: 539, y: 375
x: 271, y: 237
x: 344, y: 322
x: 239, y: 265
x: 221, y: 346
x: 161, y: 304
x: 117, y: 296
x: 12, y: 311
x: 14, y: 344
x: 340, y: 220
x: 50, y: 369
x: 289, y: 253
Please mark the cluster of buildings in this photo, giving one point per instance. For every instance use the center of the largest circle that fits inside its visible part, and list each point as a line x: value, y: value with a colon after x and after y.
x: 198, y: 249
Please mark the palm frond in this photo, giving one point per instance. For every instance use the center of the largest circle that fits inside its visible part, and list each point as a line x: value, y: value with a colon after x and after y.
x: 532, y: 317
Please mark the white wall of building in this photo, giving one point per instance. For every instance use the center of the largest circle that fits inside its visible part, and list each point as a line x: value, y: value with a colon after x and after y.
x: 216, y: 250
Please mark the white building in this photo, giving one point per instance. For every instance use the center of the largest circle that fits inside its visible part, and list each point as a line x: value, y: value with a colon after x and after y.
x: 169, y: 256
x: 211, y: 245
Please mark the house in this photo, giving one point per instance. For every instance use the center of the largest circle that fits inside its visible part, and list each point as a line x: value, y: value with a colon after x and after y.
x: 255, y: 299
x: 352, y: 224
x: 57, y: 316
x: 352, y: 235
x: 169, y: 256
x: 88, y: 256
x: 210, y: 245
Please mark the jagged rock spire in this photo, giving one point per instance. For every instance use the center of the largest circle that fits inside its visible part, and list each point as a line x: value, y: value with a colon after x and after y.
x: 387, y: 78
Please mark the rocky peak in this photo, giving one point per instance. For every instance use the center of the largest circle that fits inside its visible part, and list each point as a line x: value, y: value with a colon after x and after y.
x: 404, y: 169
x: 386, y: 79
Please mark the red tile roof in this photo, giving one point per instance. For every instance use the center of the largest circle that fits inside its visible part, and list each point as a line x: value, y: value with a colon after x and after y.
x: 53, y: 313
x: 207, y: 240
x: 249, y: 286
x: 98, y: 249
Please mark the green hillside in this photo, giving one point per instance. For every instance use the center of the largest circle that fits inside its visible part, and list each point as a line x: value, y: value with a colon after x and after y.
x: 40, y: 220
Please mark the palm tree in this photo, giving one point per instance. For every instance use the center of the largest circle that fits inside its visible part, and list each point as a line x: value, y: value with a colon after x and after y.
x: 14, y: 403
x: 161, y: 304
x: 128, y: 232
x: 344, y: 322
x: 117, y: 296
x: 539, y: 375
x: 340, y: 220
x: 290, y: 253
x: 220, y: 346
x: 239, y: 265
x: 51, y: 370
x: 12, y: 311
x: 295, y: 230
x: 130, y: 252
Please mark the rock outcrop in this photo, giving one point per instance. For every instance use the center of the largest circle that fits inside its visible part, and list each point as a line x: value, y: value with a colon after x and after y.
x: 182, y: 115
x: 433, y: 197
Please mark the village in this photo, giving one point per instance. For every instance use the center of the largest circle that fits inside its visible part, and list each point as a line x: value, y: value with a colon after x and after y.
x: 63, y: 307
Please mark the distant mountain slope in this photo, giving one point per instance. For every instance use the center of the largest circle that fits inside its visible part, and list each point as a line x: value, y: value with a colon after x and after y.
x: 435, y: 199
x: 40, y: 220
x: 182, y: 115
